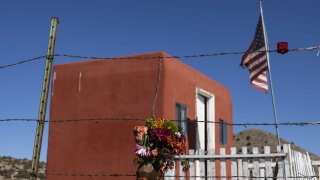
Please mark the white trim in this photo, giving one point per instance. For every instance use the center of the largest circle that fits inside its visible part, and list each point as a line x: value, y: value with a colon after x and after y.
x: 227, y: 156
x: 210, y: 127
x: 210, y: 115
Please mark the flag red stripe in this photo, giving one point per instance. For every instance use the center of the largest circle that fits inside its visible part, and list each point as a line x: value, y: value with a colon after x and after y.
x: 255, y: 58
x: 259, y: 73
x: 260, y: 88
x: 261, y: 80
x: 258, y: 65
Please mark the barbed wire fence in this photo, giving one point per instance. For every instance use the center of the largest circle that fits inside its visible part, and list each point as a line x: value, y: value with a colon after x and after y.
x: 312, y: 48
x: 169, y: 176
x: 108, y: 119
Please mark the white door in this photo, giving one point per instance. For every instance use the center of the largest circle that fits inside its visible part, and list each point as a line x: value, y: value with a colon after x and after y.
x: 205, y: 130
x: 201, y: 134
x: 201, y: 118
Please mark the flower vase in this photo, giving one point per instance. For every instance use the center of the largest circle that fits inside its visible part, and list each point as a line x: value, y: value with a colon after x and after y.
x: 147, y: 172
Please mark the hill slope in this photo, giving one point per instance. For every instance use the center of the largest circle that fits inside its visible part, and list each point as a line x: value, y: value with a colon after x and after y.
x: 11, y: 168
x: 259, y: 138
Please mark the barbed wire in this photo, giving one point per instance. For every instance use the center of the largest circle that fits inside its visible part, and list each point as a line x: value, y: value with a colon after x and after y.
x: 2, y: 172
x: 107, y: 119
x: 312, y: 48
x: 90, y: 175
x: 22, y: 62
x: 172, y: 176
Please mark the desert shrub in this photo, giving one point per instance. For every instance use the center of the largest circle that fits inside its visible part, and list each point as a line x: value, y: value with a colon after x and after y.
x: 23, y: 174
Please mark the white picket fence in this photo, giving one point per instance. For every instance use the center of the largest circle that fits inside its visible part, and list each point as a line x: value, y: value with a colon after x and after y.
x: 284, y: 164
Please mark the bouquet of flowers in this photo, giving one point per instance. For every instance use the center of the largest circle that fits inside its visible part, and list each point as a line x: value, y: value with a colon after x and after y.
x: 157, y: 143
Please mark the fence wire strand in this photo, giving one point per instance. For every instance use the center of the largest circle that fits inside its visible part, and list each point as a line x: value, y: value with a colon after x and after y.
x: 312, y: 48
x: 108, y: 119
x: 22, y: 62
x: 173, y: 176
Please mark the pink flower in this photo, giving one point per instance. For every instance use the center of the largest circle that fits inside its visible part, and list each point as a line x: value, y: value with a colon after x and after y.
x: 139, y: 137
x: 141, y: 129
x: 142, y: 151
x: 154, y: 152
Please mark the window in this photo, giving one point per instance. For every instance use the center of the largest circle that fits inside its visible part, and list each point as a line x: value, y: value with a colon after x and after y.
x: 223, y: 132
x: 182, y: 117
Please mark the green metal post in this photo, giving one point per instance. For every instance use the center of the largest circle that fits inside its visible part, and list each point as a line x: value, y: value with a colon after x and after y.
x: 44, y: 99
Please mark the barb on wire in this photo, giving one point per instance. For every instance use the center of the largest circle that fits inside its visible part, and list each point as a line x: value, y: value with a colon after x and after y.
x: 21, y: 62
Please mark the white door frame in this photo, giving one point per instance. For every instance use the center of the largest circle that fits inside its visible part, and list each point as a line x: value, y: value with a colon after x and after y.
x: 210, y: 118
x: 200, y: 134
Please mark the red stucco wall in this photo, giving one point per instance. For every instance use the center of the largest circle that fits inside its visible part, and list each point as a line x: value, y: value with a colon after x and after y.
x: 117, y: 89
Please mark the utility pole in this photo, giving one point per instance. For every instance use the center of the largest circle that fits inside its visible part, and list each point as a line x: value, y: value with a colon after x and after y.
x: 44, y: 99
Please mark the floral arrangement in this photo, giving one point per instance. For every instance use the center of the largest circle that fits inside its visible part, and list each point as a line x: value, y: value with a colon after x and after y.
x: 157, y: 143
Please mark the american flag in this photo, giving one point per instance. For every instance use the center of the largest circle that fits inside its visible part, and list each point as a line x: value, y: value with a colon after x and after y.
x: 255, y: 59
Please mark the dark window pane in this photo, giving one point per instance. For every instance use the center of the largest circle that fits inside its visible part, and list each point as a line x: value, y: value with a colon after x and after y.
x: 223, y: 132
x: 182, y: 117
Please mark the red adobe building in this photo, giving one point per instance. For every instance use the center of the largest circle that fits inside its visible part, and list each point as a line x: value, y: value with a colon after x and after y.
x: 114, y: 90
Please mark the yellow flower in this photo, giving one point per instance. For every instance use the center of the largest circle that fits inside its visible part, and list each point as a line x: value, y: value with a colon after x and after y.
x: 158, y: 123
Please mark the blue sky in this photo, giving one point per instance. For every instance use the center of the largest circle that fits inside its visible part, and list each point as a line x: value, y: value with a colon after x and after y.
x: 115, y: 28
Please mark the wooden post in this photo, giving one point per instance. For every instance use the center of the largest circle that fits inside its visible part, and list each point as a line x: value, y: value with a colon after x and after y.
x: 256, y: 167
x: 245, y: 164
x: 211, y: 165
x: 223, y: 165
x: 268, y: 162
x: 44, y: 99
x: 234, y: 171
x: 287, y: 172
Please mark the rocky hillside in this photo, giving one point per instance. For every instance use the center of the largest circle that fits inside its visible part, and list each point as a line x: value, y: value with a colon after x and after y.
x: 260, y: 138
x: 11, y: 168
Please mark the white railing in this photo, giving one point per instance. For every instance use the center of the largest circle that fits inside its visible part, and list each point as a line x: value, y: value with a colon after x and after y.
x: 284, y: 164
x: 316, y: 165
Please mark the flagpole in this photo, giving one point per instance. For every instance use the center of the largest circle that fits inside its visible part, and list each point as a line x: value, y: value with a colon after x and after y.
x: 269, y: 73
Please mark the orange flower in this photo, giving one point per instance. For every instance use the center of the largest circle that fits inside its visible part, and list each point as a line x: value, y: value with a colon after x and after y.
x: 177, y: 147
x: 139, y: 131
x: 154, y: 152
x: 163, y: 166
